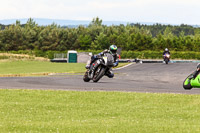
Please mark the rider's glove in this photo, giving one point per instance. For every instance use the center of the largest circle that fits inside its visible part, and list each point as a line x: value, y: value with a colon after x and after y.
x: 98, y: 56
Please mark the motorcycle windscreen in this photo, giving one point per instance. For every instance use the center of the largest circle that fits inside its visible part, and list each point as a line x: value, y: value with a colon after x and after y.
x: 196, y: 82
x: 110, y: 59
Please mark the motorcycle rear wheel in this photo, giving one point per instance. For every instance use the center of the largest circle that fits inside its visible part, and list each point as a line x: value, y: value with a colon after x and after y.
x: 187, y: 84
x: 85, y: 77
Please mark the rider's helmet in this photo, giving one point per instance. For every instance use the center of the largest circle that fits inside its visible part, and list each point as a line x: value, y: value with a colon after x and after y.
x: 166, y: 49
x: 113, y: 49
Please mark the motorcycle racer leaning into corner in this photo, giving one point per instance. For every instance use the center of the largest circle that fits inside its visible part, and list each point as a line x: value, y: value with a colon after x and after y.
x: 112, y: 50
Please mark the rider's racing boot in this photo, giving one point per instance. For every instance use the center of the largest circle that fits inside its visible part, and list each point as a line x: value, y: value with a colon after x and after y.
x: 109, y: 73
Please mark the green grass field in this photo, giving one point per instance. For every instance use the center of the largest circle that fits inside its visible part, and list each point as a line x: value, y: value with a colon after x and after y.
x: 114, y: 112
x: 27, y: 68
x: 38, y: 67
x: 90, y: 112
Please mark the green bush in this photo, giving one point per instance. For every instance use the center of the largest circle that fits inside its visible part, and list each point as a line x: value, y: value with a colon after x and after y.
x: 2, y: 57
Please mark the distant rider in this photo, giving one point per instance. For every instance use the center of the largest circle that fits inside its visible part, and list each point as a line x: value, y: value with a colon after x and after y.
x: 112, y: 50
x: 166, y: 51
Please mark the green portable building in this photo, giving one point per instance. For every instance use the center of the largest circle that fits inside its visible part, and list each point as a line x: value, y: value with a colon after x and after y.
x: 72, y: 56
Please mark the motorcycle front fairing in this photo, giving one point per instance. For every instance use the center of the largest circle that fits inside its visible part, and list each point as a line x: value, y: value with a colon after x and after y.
x: 94, y: 66
x: 166, y: 56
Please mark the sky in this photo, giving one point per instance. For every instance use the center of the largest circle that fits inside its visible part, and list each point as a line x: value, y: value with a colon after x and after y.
x: 156, y: 11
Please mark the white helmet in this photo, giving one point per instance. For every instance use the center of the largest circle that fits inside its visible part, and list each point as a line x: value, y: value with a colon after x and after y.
x: 166, y: 49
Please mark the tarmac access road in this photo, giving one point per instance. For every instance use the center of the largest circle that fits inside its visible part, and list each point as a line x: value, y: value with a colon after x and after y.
x: 146, y: 77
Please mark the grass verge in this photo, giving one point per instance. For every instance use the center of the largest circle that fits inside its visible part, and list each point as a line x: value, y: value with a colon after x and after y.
x: 23, y: 68
x: 31, y: 68
x: 71, y: 111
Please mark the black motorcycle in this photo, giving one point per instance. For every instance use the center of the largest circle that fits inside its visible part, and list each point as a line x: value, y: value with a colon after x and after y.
x: 99, y: 68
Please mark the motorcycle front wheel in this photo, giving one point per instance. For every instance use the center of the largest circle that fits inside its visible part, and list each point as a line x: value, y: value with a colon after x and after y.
x: 166, y: 61
x: 187, y: 84
x: 100, y: 71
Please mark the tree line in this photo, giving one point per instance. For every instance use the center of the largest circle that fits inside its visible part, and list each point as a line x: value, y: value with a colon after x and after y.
x: 96, y: 36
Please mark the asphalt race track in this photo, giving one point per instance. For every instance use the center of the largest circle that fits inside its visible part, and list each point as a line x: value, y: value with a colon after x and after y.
x: 146, y: 77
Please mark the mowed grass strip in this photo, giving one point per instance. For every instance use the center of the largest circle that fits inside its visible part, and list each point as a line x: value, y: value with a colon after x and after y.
x: 28, y: 68
x: 39, y: 67
x: 115, y: 112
